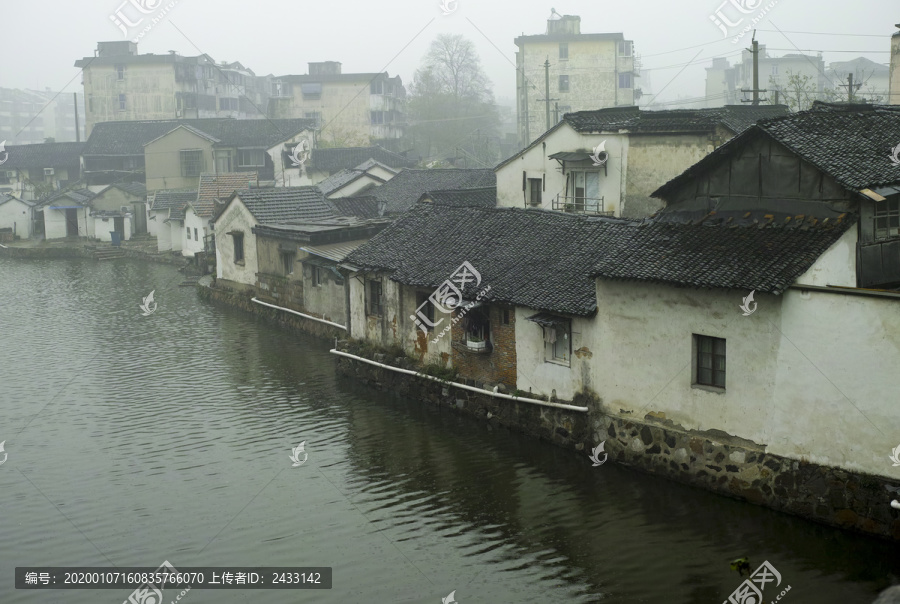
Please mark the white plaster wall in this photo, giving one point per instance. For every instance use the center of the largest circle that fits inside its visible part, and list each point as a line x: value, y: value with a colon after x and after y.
x: 191, y: 247
x: 803, y: 371
x: 542, y: 377
x: 286, y: 174
x: 17, y: 216
x: 536, y: 163
x: 163, y: 232
x: 152, y: 223
x: 101, y: 230
x: 236, y: 217
x: 176, y: 234
x: 356, y: 282
x: 837, y: 266
x: 55, y: 223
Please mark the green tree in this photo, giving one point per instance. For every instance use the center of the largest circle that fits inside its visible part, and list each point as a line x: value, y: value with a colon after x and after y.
x: 451, y: 105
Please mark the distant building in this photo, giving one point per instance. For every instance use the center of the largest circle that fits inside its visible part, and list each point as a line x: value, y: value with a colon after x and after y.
x: 33, y: 171
x: 725, y: 82
x: 353, y: 109
x: 120, y: 85
x: 873, y: 79
x: 586, y: 72
x: 32, y: 116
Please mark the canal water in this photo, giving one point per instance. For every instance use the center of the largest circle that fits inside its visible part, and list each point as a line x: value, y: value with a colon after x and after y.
x: 136, y: 439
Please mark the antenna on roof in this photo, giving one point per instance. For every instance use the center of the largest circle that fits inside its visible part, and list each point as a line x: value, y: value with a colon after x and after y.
x: 554, y: 13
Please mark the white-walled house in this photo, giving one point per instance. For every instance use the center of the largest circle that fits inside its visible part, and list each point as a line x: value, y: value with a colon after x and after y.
x: 643, y: 149
x: 356, y: 181
x: 325, y: 162
x: 198, y: 214
x: 29, y: 169
x: 17, y: 215
x: 236, y: 250
x: 66, y: 214
x: 166, y: 217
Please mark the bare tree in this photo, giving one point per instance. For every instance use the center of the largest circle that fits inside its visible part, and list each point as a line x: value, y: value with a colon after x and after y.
x: 451, y: 104
x: 799, y: 91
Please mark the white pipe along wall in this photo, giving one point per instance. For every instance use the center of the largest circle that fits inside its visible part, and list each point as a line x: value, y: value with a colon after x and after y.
x: 298, y: 313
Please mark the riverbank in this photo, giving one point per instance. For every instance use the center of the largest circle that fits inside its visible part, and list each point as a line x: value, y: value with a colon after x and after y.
x: 143, y: 249
x: 710, y: 460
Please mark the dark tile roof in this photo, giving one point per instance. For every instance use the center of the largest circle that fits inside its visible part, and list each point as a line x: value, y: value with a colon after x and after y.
x: 363, y: 206
x: 850, y: 143
x: 759, y: 253
x: 168, y: 199
x: 634, y: 119
x: 333, y: 160
x: 736, y: 118
x: 219, y: 186
x: 79, y: 196
x: 129, y: 138
x: 403, y: 190
x: 534, y: 258
x: 548, y: 260
x: 43, y: 155
x: 282, y: 204
x: 4, y: 197
x: 133, y: 188
x: 483, y: 197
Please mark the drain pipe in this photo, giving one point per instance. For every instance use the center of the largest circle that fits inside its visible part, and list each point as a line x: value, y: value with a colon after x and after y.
x: 299, y: 313
x: 463, y: 386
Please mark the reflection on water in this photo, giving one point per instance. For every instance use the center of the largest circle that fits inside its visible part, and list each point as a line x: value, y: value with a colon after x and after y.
x: 134, y: 440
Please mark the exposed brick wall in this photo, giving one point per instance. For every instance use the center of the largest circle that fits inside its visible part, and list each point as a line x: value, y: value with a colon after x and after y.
x: 496, y: 367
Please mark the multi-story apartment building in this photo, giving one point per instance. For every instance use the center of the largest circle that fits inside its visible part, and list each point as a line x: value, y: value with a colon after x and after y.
x: 580, y: 72
x: 894, y: 87
x: 32, y: 116
x: 725, y: 82
x: 122, y: 85
x: 353, y: 109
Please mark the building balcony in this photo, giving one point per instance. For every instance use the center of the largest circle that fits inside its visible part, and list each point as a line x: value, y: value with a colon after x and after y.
x: 581, y: 205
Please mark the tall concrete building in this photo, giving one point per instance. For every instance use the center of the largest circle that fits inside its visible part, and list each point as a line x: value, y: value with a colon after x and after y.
x: 122, y: 85
x: 32, y: 116
x: 579, y: 72
x: 895, y: 69
x: 354, y: 109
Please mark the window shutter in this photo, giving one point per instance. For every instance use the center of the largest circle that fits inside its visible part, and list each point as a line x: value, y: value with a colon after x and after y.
x: 543, y: 182
x: 524, y: 180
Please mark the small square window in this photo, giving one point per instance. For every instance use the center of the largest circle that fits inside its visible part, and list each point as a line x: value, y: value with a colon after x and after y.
x: 188, y: 233
x: 505, y: 316
x: 563, y: 50
x: 238, y: 247
x: 120, y: 72
x: 196, y: 238
x: 287, y: 262
x: 534, y: 191
x: 564, y: 83
x: 191, y: 164
x: 625, y: 48
x: 423, y: 303
x: 558, y: 341
x: 121, y: 102
x: 374, y: 299
x: 709, y: 363
x: 625, y: 80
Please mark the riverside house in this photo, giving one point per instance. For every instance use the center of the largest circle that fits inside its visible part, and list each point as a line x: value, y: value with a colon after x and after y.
x: 237, y: 260
x: 166, y: 216
x: 198, y: 214
x: 172, y: 154
x: 121, y: 208
x: 643, y: 149
x: 16, y: 217
x: 298, y: 262
x: 31, y: 171
x: 704, y: 324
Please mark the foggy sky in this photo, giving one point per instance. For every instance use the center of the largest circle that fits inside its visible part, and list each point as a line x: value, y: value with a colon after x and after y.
x: 43, y: 38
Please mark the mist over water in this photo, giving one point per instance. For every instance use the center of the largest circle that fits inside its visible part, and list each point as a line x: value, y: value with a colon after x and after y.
x: 168, y: 437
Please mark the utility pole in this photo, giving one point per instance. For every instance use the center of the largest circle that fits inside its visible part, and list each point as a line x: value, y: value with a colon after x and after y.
x: 77, y: 127
x: 547, y: 98
x: 776, y: 96
x: 850, y: 86
x: 556, y: 113
x: 755, y: 90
